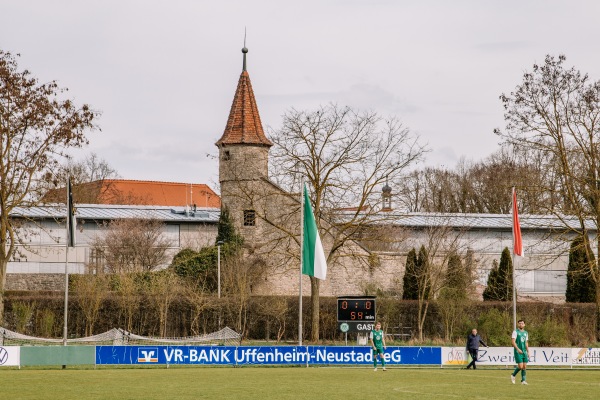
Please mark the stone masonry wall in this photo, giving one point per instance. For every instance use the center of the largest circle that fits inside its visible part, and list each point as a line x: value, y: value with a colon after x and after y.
x: 49, y: 282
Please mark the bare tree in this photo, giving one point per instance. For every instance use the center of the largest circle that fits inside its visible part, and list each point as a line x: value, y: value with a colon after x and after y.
x: 133, y: 245
x: 22, y: 314
x: 89, y: 175
x: 239, y: 274
x: 483, y: 186
x: 199, y: 299
x: 454, y: 295
x: 128, y: 295
x: 556, y: 111
x: 37, y: 126
x: 441, y: 242
x: 274, y: 310
x: 345, y: 156
x: 91, y: 290
x: 163, y: 288
x: 88, y: 169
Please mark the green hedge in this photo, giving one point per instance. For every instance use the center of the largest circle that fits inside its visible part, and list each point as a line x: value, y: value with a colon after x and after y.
x: 265, y: 317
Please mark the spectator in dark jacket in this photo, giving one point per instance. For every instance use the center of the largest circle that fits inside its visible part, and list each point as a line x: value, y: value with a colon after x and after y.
x: 473, y: 341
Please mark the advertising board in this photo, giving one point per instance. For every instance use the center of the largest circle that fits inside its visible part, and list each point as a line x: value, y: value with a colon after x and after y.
x: 262, y: 355
x: 10, y: 356
x: 548, y: 356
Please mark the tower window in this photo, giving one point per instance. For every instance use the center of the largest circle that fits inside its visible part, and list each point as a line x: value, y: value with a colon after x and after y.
x: 226, y: 155
x: 249, y: 217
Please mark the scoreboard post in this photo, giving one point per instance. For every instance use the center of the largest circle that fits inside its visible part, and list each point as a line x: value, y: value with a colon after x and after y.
x: 356, y: 313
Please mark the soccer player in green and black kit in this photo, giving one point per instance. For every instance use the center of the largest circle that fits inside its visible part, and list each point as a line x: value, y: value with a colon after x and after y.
x: 378, y: 344
x: 520, y: 341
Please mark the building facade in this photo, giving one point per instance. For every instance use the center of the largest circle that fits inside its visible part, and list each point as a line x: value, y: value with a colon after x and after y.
x: 40, y: 260
x: 269, y: 219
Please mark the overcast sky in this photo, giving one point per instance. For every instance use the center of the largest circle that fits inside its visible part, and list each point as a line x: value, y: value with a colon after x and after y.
x: 163, y: 73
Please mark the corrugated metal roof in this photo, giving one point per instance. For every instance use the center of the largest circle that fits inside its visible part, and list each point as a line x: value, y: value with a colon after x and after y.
x: 111, y: 212
x: 211, y: 215
x: 484, y: 221
x: 474, y: 221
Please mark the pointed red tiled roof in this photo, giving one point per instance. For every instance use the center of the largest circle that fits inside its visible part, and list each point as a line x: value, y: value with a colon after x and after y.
x: 244, y: 125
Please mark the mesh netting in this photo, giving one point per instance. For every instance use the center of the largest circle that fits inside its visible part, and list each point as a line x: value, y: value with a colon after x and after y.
x: 118, y: 337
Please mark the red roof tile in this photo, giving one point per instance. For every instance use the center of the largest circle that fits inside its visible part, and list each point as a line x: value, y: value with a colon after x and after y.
x: 163, y: 193
x: 133, y: 192
x: 244, y: 125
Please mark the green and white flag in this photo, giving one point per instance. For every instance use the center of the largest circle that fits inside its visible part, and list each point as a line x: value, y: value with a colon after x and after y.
x: 313, y: 257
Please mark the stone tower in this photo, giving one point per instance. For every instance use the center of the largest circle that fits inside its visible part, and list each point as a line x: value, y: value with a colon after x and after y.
x: 243, y: 157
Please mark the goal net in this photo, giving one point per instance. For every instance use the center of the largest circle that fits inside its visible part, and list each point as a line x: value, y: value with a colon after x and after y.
x: 119, y: 337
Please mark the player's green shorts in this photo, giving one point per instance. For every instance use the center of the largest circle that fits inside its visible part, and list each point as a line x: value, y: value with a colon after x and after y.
x: 521, y: 358
x: 377, y: 350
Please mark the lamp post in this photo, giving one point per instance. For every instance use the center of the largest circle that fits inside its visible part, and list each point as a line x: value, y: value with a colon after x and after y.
x: 219, y: 244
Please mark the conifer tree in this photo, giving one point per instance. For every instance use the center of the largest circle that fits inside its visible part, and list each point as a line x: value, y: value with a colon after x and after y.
x: 505, y: 276
x: 500, y: 281
x: 490, y: 291
x: 226, y: 233
x: 453, y: 296
x: 457, y: 279
x: 580, y: 285
x: 409, y: 281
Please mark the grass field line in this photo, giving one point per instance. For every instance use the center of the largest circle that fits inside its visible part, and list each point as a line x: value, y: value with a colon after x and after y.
x: 400, y: 390
x: 493, y: 375
x: 570, y: 382
x: 447, y: 395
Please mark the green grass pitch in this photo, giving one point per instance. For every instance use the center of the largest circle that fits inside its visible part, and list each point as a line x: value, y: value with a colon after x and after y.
x: 294, y: 383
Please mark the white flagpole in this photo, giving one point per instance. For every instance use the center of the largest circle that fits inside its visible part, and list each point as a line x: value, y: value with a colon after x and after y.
x: 68, y: 236
x: 514, y: 295
x: 514, y: 287
x: 66, y: 307
x: 301, y: 251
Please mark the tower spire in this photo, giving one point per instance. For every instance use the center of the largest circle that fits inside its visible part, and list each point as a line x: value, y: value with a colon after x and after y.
x: 244, y: 125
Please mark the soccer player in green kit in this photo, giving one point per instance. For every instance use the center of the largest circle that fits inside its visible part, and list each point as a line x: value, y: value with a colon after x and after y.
x: 520, y: 341
x: 378, y: 344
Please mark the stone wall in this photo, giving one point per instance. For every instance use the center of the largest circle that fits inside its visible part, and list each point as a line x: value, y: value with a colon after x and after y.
x: 44, y: 282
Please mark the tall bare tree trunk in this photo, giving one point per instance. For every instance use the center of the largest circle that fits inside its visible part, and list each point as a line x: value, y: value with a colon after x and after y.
x: 3, y: 264
x: 596, y: 276
x: 423, y: 307
x: 2, y: 305
x: 597, y: 308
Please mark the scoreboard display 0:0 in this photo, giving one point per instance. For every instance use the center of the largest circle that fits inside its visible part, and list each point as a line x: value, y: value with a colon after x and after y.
x: 356, y: 309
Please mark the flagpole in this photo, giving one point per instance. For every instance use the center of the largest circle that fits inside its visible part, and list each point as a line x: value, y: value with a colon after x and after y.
x: 66, y: 307
x: 514, y: 287
x: 71, y: 225
x: 301, y: 251
x: 67, y: 243
x: 514, y: 295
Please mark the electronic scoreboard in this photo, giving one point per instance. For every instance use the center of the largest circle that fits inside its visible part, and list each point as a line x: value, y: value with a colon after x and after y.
x: 356, y: 313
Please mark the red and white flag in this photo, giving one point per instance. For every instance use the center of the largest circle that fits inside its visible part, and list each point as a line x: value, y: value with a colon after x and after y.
x: 517, y: 239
